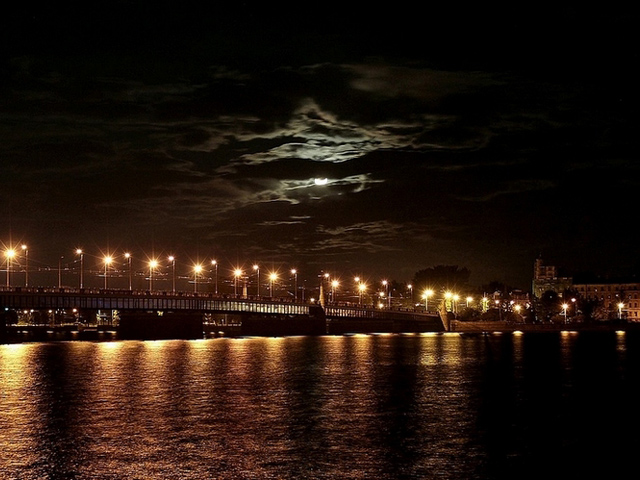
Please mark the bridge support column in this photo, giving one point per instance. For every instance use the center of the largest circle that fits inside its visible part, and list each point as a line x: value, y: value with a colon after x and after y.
x: 168, y: 325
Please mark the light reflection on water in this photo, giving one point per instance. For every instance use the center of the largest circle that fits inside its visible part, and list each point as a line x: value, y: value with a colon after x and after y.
x: 353, y: 407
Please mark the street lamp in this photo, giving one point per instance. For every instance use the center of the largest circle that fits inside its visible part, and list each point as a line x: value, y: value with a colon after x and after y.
x: 410, y: 287
x: 564, y: 310
x: 81, y: 253
x: 152, y: 265
x: 196, y: 270
x: 256, y: 268
x: 60, y: 272
x: 26, y: 265
x: 272, y: 277
x: 236, y: 274
x: 10, y: 253
x: 107, y: 261
x: 469, y: 300
x: 517, y: 308
x: 215, y: 264
x: 295, y: 284
x: 620, y: 306
x: 172, y: 259
x: 427, y: 293
x: 334, y: 285
x: 128, y: 257
x: 361, y: 289
x: 386, y: 291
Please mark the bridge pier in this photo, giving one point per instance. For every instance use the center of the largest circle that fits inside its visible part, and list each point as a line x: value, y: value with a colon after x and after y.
x: 155, y: 326
x: 285, y: 325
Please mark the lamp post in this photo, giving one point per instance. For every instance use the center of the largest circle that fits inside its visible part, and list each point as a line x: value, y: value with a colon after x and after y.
x: 196, y: 270
x: 10, y: 253
x: 107, y: 261
x: 410, y: 287
x: 152, y: 265
x: 427, y: 293
x: 60, y: 272
x: 295, y: 284
x: 361, y: 289
x: 26, y: 265
x: 334, y: 285
x: 236, y: 274
x: 564, y: 311
x: 272, y: 277
x: 385, y: 284
x: 81, y: 253
x: 256, y: 268
x: 517, y: 308
x: 620, y: 306
x: 128, y: 257
x: 172, y: 259
x: 215, y: 264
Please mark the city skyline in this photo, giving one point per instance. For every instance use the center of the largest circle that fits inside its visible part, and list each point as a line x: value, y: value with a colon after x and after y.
x: 358, y: 141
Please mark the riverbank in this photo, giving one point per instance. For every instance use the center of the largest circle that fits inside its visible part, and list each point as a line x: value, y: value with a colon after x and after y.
x: 496, y: 327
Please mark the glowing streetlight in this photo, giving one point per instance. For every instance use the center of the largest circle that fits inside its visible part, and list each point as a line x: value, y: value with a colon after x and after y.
x: 236, y: 274
x: 272, y: 278
x: 256, y: 268
x: 26, y: 264
x: 215, y: 264
x: 128, y: 257
x: 172, y: 259
x: 620, y: 307
x: 107, y: 261
x: 81, y: 253
x: 153, y: 264
x: 427, y: 293
x: 386, y: 291
x: 517, y: 308
x: 361, y: 289
x: 410, y: 287
x: 9, y: 253
x: 469, y: 300
x: 294, y: 272
x: 334, y: 285
x: 196, y: 271
x: 564, y: 310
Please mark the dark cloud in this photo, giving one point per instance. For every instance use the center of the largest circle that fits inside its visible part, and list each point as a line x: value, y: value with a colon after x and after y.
x: 479, y: 139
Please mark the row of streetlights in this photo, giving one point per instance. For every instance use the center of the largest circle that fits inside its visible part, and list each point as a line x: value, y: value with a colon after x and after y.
x: 153, y: 264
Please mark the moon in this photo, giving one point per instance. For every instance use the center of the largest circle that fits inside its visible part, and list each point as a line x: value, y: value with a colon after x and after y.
x: 320, y: 181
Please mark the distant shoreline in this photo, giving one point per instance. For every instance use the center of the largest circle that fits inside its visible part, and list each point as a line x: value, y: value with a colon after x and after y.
x: 497, y: 327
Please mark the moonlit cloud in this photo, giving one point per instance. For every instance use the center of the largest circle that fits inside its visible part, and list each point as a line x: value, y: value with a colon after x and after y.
x: 212, y: 138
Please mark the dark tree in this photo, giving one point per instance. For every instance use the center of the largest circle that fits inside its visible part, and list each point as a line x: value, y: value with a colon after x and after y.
x: 442, y: 277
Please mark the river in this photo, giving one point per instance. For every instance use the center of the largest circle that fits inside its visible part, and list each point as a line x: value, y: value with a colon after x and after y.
x: 429, y: 406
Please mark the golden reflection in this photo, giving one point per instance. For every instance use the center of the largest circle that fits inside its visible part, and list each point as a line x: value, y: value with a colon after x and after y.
x: 18, y: 386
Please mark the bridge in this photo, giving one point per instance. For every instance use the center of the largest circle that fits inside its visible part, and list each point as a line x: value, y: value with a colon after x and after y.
x: 160, y: 314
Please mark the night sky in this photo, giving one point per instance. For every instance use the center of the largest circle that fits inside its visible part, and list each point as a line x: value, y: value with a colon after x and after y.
x: 479, y: 137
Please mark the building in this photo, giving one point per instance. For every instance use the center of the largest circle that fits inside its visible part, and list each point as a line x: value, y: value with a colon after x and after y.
x: 545, y: 278
x: 616, y: 299
x: 619, y: 300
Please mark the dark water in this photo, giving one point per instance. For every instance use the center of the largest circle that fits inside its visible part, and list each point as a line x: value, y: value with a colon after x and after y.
x: 355, y: 407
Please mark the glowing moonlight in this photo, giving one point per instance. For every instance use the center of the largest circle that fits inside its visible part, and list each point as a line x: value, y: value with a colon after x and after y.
x: 320, y: 181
